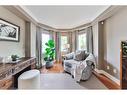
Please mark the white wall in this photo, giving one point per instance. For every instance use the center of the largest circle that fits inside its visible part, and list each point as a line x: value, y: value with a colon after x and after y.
x: 8, y: 48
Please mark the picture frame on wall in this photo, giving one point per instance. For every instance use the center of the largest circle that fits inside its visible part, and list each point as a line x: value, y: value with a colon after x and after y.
x: 9, y: 31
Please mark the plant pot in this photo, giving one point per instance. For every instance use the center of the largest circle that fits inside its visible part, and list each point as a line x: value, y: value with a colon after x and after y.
x: 49, y: 64
x: 14, y: 59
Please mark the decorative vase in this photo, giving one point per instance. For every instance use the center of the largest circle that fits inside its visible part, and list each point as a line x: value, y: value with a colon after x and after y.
x: 49, y: 64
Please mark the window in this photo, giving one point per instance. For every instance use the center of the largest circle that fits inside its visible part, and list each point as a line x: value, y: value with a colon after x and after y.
x: 45, y: 38
x: 64, y: 42
x: 82, y: 41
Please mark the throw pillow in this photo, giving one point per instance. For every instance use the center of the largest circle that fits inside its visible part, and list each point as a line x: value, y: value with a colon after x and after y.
x: 78, y: 56
x: 86, y: 54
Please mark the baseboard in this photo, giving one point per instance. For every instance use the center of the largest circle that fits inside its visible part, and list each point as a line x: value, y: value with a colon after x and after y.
x: 108, y: 75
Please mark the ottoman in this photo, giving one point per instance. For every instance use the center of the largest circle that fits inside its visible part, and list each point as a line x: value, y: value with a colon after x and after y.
x: 29, y: 80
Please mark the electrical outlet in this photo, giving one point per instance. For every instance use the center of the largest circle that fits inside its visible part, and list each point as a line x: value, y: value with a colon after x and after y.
x: 108, y: 67
x: 115, y: 71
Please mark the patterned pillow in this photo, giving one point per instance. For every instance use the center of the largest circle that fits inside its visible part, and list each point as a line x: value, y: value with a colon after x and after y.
x: 78, y: 56
x: 85, y: 55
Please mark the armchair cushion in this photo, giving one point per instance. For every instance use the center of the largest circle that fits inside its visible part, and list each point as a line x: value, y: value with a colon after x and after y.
x: 79, y: 55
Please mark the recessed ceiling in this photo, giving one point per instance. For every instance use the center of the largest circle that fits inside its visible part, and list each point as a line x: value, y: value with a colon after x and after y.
x: 64, y: 17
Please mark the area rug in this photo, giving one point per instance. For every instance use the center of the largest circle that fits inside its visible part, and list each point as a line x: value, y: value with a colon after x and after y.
x: 65, y: 81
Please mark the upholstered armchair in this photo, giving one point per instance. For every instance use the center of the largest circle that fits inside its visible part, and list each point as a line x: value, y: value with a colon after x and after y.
x: 79, y: 64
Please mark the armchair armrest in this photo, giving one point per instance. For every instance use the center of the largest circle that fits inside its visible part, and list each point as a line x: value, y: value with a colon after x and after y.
x: 90, y: 63
x: 64, y: 57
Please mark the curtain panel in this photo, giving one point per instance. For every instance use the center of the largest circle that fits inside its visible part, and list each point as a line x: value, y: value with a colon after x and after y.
x: 70, y: 41
x: 38, y: 47
x: 89, y: 39
x: 74, y: 40
x: 58, y: 46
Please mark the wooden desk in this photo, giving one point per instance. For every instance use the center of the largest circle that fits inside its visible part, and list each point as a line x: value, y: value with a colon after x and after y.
x: 10, y: 72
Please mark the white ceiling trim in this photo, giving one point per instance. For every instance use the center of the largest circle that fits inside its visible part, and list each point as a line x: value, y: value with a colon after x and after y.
x: 107, y: 13
x: 34, y: 17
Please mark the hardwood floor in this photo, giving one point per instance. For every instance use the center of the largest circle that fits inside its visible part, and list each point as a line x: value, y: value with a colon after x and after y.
x: 106, y: 81
x: 58, y: 68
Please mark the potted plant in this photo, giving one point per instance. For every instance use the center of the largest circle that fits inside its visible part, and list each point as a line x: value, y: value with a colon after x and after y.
x: 49, y: 53
x: 14, y: 57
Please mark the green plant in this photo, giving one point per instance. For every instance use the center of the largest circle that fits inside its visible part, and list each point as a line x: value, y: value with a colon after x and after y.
x: 49, y: 51
x: 14, y: 57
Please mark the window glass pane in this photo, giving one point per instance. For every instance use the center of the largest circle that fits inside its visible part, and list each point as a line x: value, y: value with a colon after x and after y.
x: 45, y: 38
x: 63, y: 43
x: 82, y: 41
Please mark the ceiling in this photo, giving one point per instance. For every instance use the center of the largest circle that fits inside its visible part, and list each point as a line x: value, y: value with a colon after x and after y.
x: 65, y: 17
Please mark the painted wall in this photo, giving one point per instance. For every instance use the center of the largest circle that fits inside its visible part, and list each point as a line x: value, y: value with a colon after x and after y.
x: 8, y: 48
x: 114, y: 31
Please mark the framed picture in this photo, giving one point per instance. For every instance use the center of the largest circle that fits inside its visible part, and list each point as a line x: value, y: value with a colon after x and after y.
x: 9, y: 31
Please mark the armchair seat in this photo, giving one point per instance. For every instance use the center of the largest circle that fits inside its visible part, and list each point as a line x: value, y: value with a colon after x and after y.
x: 71, y: 63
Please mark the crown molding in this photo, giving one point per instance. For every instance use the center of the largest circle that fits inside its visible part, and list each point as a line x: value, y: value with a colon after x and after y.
x: 19, y: 11
x: 107, y: 13
x: 23, y: 13
x: 46, y: 27
x: 26, y: 15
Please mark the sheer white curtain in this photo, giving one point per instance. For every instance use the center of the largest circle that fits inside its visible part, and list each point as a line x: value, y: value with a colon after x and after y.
x: 58, y: 46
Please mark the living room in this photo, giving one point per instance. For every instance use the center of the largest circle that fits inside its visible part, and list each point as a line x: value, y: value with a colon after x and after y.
x: 79, y: 46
